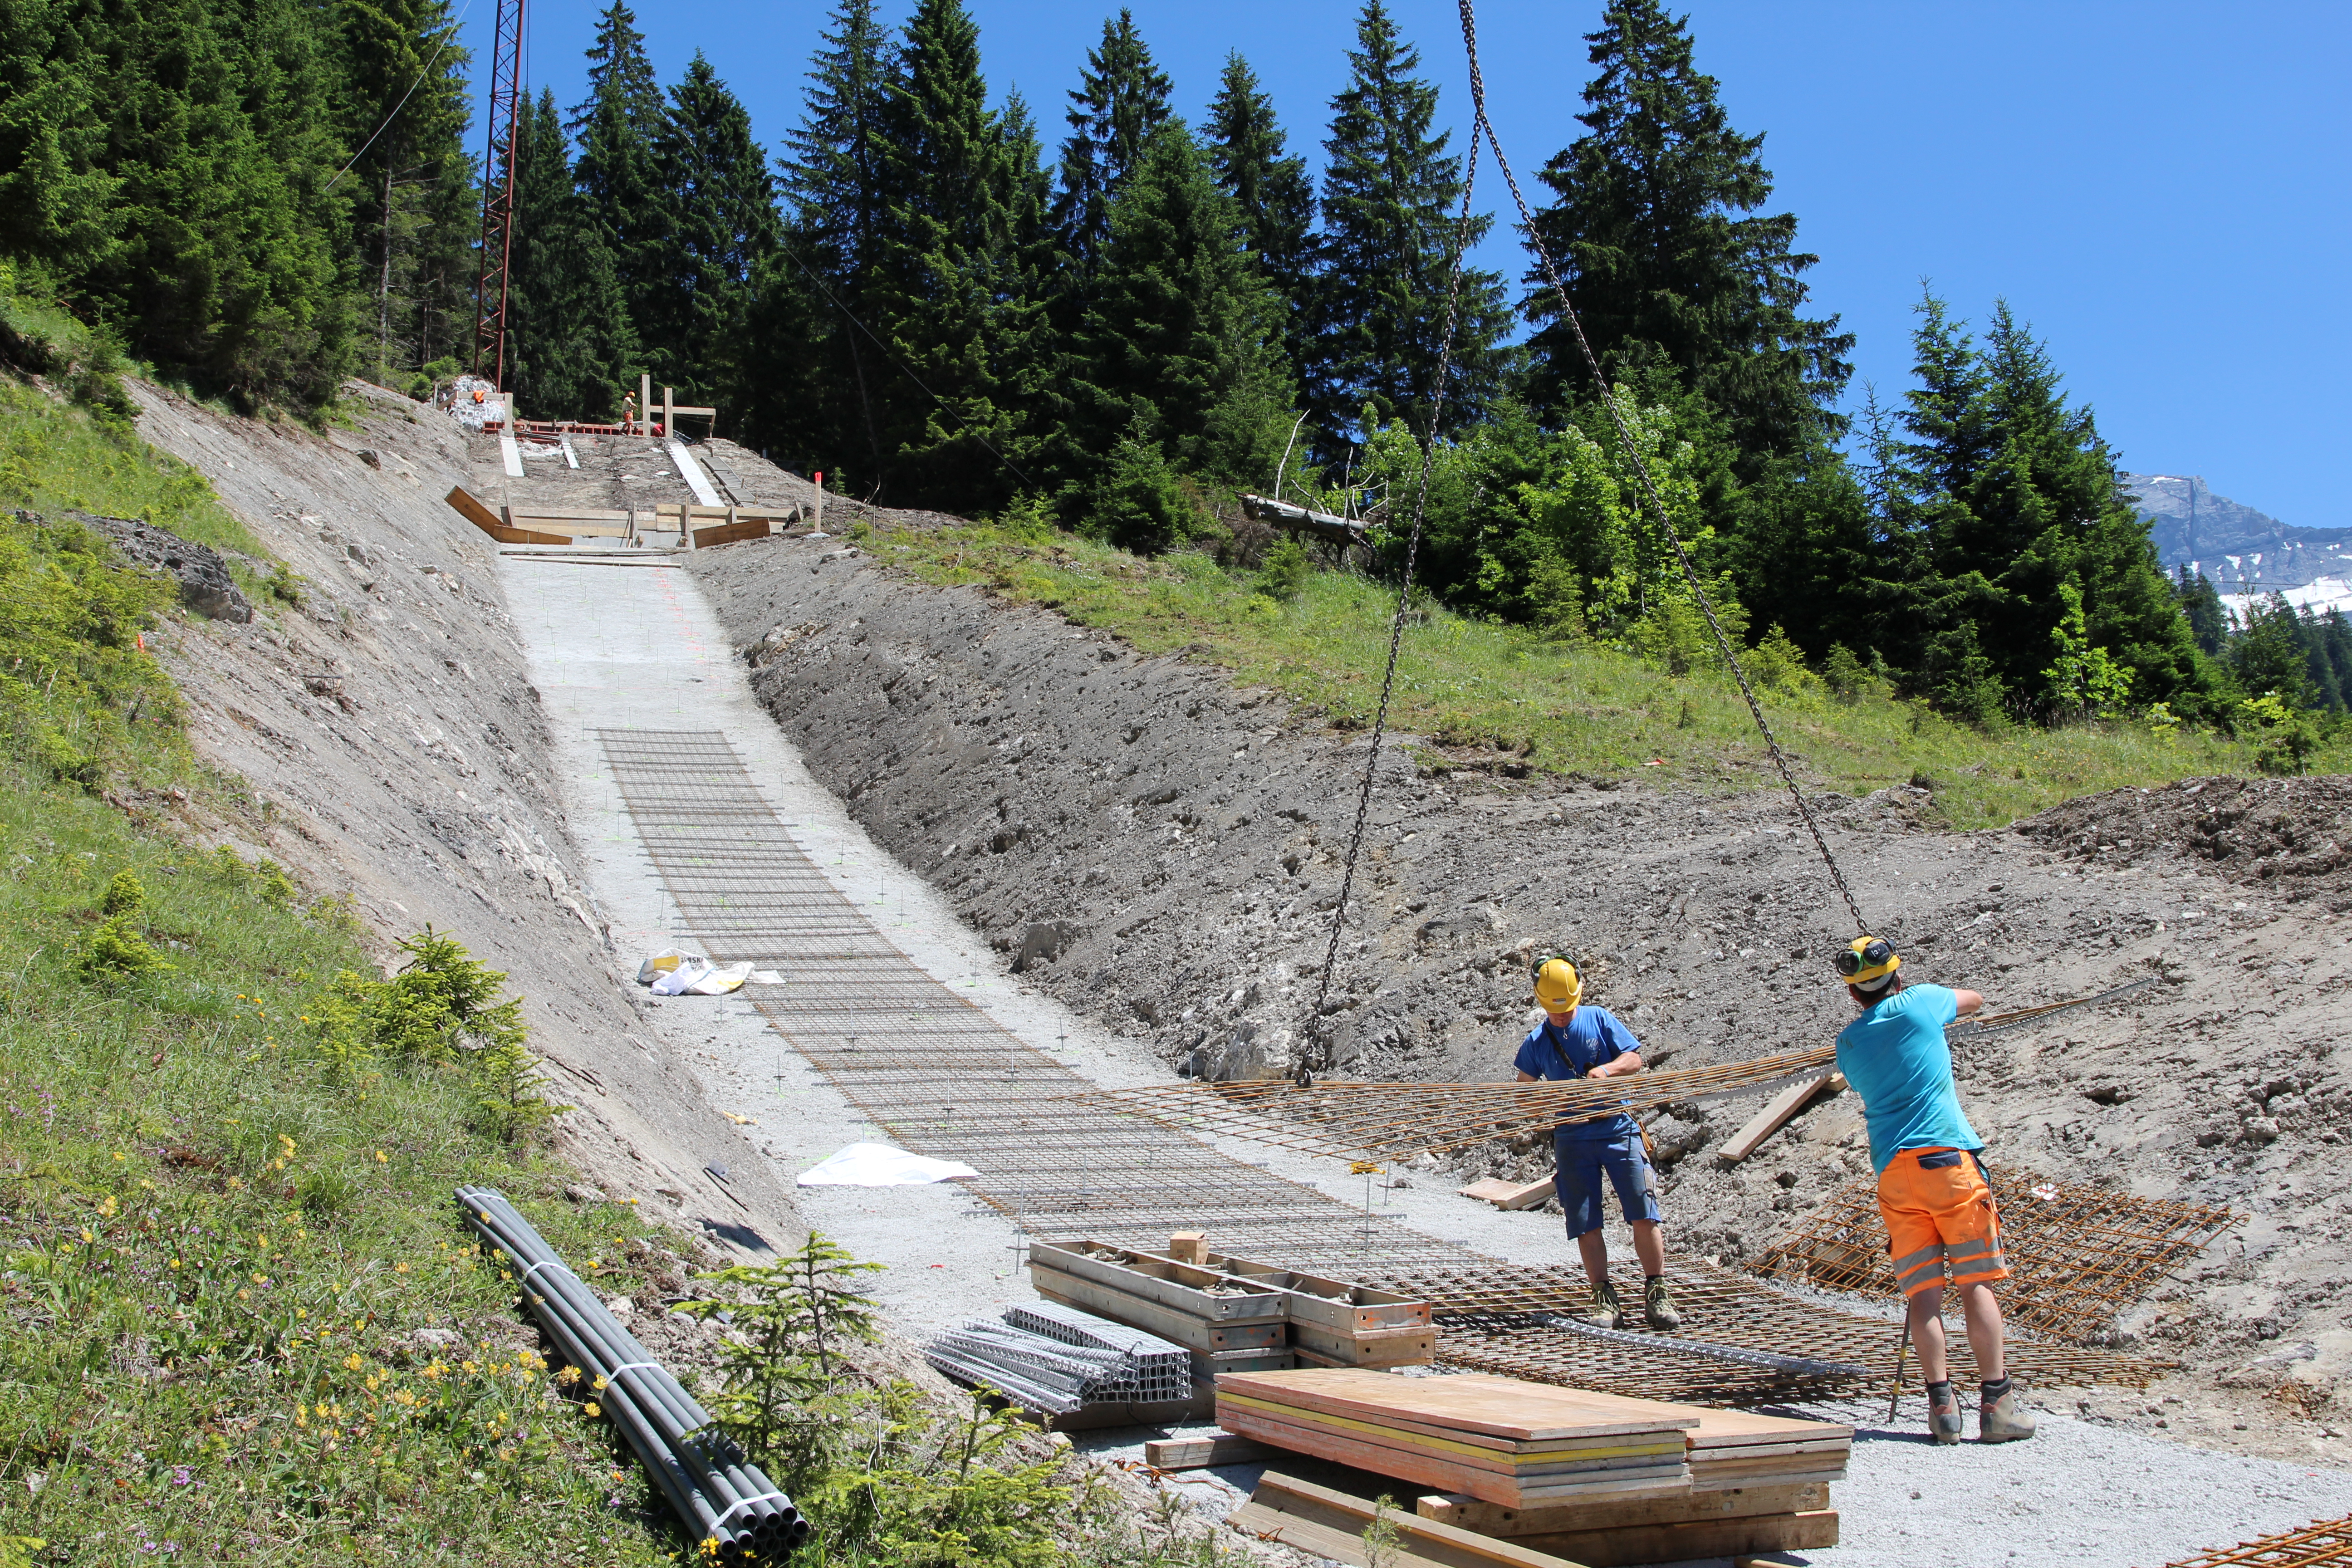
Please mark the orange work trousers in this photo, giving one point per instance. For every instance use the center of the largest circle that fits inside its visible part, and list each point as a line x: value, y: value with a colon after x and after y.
x: 1939, y: 1210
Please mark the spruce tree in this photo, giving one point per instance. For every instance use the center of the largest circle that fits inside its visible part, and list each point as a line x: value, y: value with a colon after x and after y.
x: 949, y: 425
x: 1670, y: 273
x: 1181, y: 347
x: 1388, y: 198
x: 2209, y: 621
x: 2013, y: 496
x: 1272, y: 194
x: 837, y: 172
x: 412, y: 184
x: 722, y: 225
x: 571, y: 350
x: 1120, y: 100
x: 616, y: 169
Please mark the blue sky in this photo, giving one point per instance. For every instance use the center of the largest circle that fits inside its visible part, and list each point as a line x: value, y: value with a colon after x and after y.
x: 2159, y: 188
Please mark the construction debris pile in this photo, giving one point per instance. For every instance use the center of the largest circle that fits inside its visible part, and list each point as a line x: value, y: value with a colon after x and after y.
x: 1055, y: 1361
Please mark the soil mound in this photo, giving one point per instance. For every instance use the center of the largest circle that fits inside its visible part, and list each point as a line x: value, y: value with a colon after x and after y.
x: 2290, y: 834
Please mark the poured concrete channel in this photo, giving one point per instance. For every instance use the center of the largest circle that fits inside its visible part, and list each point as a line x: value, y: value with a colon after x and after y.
x: 636, y: 648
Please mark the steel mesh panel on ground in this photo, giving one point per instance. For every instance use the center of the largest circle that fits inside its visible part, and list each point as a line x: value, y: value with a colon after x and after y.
x: 2077, y: 1255
x: 941, y: 1077
x: 2328, y: 1541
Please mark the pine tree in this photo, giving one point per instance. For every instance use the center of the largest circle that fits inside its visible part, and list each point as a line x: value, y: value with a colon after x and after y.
x: 944, y: 260
x: 572, y: 352
x: 616, y: 170
x: 722, y: 225
x: 836, y: 174
x: 1273, y: 193
x: 1669, y: 276
x: 1120, y: 100
x: 1180, y: 348
x: 1389, y: 197
x: 413, y: 182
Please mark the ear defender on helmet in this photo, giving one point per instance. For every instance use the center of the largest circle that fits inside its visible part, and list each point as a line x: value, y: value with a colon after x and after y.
x: 1867, y: 962
x: 1558, y: 985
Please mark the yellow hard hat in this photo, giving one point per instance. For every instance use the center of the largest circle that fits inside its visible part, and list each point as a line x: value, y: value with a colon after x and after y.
x: 1867, y: 959
x: 1558, y: 986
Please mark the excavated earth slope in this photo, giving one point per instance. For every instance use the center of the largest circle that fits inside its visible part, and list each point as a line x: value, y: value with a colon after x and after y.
x: 396, y: 753
x: 1162, y: 850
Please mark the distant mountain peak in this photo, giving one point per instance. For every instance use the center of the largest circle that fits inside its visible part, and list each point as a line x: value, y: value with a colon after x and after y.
x: 2247, y: 554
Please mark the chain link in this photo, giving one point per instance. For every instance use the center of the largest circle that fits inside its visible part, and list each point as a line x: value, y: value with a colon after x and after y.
x: 1314, y: 1051
x: 1641, y: 467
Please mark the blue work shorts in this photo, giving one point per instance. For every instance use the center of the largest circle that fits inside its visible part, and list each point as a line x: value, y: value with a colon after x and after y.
x: 1577, y: 1180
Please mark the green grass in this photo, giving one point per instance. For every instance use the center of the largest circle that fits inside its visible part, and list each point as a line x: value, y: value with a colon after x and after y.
x: 218, y: 1245
x: 1500, y: 698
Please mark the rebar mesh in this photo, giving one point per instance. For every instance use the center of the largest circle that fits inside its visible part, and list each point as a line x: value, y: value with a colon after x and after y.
x: 2322, y: 1542
x: 2077, y: 1255
x: 1065, y: 1161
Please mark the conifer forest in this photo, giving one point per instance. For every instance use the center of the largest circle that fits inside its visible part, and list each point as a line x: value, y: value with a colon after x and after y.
x: 1114, y: 313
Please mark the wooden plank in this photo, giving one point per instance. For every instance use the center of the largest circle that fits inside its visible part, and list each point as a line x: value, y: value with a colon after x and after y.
x: 1181, y: 1328
x: 1378, y: 1347
x: 1675, y: 1507
x: 1341, y: 1305
x: 1164, y: 1281
x: 1471, y: 1401
x: 574, y: 514
x: 1318, y: 1540
x: 1157, y: 1413
x: 1774, y: 1116
x: 1203, y: 1453
x: 1432, y: 1471
x: 1718, y: 1483
x: 1601, y: 1446
x: 1510, y: 1195
x: 730, y: 533
x: 1733, y: 1538
x: 1298, y: 1498
x: 481, y: 517
x: 1503, y: 1461
x: 1721, y: 1428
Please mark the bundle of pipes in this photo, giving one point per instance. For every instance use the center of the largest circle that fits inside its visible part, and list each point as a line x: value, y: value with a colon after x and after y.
x: 722, y: 1499
x: 1059, y: 1372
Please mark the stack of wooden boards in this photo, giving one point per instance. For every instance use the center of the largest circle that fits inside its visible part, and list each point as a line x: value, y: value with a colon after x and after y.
x: 1562, y: 1473
x: 1492, y: 1438
x: 1236, y: 1314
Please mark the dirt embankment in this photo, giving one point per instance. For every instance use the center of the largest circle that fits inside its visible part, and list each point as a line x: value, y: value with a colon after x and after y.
x: 1163, y: 851
x: 395, y: 752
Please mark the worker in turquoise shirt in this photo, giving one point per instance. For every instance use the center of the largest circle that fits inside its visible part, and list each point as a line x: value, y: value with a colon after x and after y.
x: 1575, y: 1041
x: 1932, y: 1190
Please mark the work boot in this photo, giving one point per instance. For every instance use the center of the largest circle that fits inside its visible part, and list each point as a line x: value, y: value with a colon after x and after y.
x: 1658, y: 1306
x: 2003, y: 1420
x: 1607, y: 1310
x: 1943, y: 1413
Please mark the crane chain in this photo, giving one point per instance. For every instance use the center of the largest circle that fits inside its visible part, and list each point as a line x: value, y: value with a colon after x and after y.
x: 1313, y: 1051
x: 1657, y: 505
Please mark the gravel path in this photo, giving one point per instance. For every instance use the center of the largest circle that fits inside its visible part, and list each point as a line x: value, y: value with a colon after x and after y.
x: 633, y: 646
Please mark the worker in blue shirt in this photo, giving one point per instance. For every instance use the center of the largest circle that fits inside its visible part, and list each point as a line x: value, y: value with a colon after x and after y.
x: 1575, y: 1041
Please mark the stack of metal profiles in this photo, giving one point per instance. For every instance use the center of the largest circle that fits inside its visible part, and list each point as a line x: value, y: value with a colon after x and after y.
x: 1059, y: 1373
x: 722, y: 1497
x: 1162, y: 1371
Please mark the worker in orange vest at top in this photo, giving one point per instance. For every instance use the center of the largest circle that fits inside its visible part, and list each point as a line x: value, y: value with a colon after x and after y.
x: 629, y: 410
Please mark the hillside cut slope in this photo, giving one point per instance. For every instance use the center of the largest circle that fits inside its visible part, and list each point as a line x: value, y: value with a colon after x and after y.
x: 1162, y: 850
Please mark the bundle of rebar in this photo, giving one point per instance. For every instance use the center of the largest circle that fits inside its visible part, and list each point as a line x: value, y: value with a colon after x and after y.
x: 1398, y: 1120
x: 727, y: 1501
x: 1072, y: 1365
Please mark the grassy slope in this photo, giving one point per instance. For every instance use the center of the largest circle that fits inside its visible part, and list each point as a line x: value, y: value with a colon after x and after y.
x: 213, y: 1251
x: 1498, y: 697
